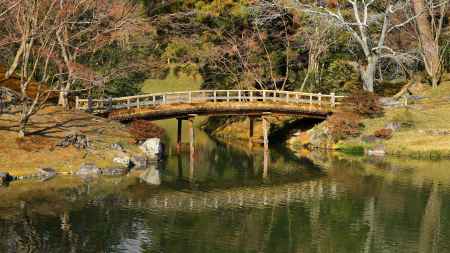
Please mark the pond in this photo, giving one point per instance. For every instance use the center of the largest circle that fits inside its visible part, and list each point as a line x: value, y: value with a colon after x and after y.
x: 224, y: 201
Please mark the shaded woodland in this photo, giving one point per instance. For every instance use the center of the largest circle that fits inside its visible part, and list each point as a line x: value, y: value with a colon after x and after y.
x: 108, y: 48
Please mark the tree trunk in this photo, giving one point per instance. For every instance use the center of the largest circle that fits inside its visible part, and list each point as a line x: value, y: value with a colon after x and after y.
x: 368, y: 73
x: 23, y: 120
x: 429, y: 46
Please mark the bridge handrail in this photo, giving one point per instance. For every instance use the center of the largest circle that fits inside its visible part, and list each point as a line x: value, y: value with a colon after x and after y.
x: 163, y: 98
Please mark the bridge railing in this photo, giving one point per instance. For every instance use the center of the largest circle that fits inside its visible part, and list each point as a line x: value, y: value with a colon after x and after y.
x: 202, y: 96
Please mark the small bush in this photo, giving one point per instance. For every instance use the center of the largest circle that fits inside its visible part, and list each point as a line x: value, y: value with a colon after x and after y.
x: 343, y: 125
x: 383, y: 133
x: 364, y: 103
x: 142, y: 130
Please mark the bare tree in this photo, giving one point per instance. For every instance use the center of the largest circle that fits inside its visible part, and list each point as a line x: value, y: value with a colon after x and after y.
x: 319, y: 37
x: 88, y: 27
x: 430, y: 21
x: 248, y: 58
x: 368, y: 27
x: 30, y: 31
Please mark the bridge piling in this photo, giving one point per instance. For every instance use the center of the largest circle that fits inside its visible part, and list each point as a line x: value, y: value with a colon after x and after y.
x: 179, y: 131
x: 251, y: 130
x: 265, y: 126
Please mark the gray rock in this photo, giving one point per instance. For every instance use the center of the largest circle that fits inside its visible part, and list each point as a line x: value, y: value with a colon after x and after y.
x: 151, y: 176
x: 88, y: 170
x: 377, y: 151
x: 153, y: 148
x: 114, y: 171
x: 390, y: 102
x: 394, y: 126
x: 122, y: 159
x: 78, y: 140
x: 46, y: 173
x: 117, y: 146
x: 139, y: 162
x: 5, y: 177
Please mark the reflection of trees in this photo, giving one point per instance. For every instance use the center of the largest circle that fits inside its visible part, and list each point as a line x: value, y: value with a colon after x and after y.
x: 354, y: 210
x: 431, y: 222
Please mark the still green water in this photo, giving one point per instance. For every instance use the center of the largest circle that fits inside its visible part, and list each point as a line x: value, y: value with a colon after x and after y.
x: 222, y: 202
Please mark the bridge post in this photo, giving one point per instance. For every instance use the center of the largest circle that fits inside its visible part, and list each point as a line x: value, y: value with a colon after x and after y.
x: 179, y: 131
x: 90, y: 104
x: 191, y: 146
x: 190, y: 97
x: 251, y: 129
x: 77, y: 103
x: 333, y: 100
x: 265, y: 126
x: 320, y: 99
x: 109, y: 109
x: 191, y: 134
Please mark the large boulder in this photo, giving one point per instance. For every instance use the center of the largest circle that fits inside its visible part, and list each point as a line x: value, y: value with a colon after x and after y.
x: 88, y: 170
x: 153, y: 148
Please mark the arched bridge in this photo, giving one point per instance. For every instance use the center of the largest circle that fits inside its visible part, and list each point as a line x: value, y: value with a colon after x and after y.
x: 213, y: 102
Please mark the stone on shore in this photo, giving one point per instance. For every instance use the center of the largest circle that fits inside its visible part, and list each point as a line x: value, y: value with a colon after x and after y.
x: 114, y: 171
x: 46, y: 173
x: 139, y: 162
x: 153, y: 148
x: 122, y: 159
x: 377, y: 151
x: 88, y: 170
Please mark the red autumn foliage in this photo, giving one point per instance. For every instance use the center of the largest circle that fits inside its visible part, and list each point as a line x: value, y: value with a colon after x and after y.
x: 383, y: 133
x: 364, y: 103
x: 344, y: 124
x: 142, y: 130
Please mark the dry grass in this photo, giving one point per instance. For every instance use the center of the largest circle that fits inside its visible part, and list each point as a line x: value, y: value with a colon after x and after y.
x: 48, y: 127
x: 428, y: 115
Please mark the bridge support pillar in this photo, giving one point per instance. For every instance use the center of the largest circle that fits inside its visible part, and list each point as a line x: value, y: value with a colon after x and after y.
x: 179, y: 132
x: 265, y: 126
x: 191, y: 146
x: 251, y: 130
x: 191, y: 135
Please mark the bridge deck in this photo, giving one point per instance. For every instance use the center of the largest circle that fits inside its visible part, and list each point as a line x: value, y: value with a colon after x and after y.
x: 213, y: 102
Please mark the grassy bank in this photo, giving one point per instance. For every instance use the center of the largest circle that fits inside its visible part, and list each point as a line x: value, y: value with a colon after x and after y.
x: 38, y: 150
x: 425, y: 131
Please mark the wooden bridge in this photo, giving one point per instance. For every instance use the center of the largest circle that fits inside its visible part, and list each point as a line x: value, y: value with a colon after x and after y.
x: 188, y: 104
x: 212, y: 102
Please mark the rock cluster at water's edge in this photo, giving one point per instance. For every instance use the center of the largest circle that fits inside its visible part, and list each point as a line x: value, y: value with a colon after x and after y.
x: 153, y: 148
